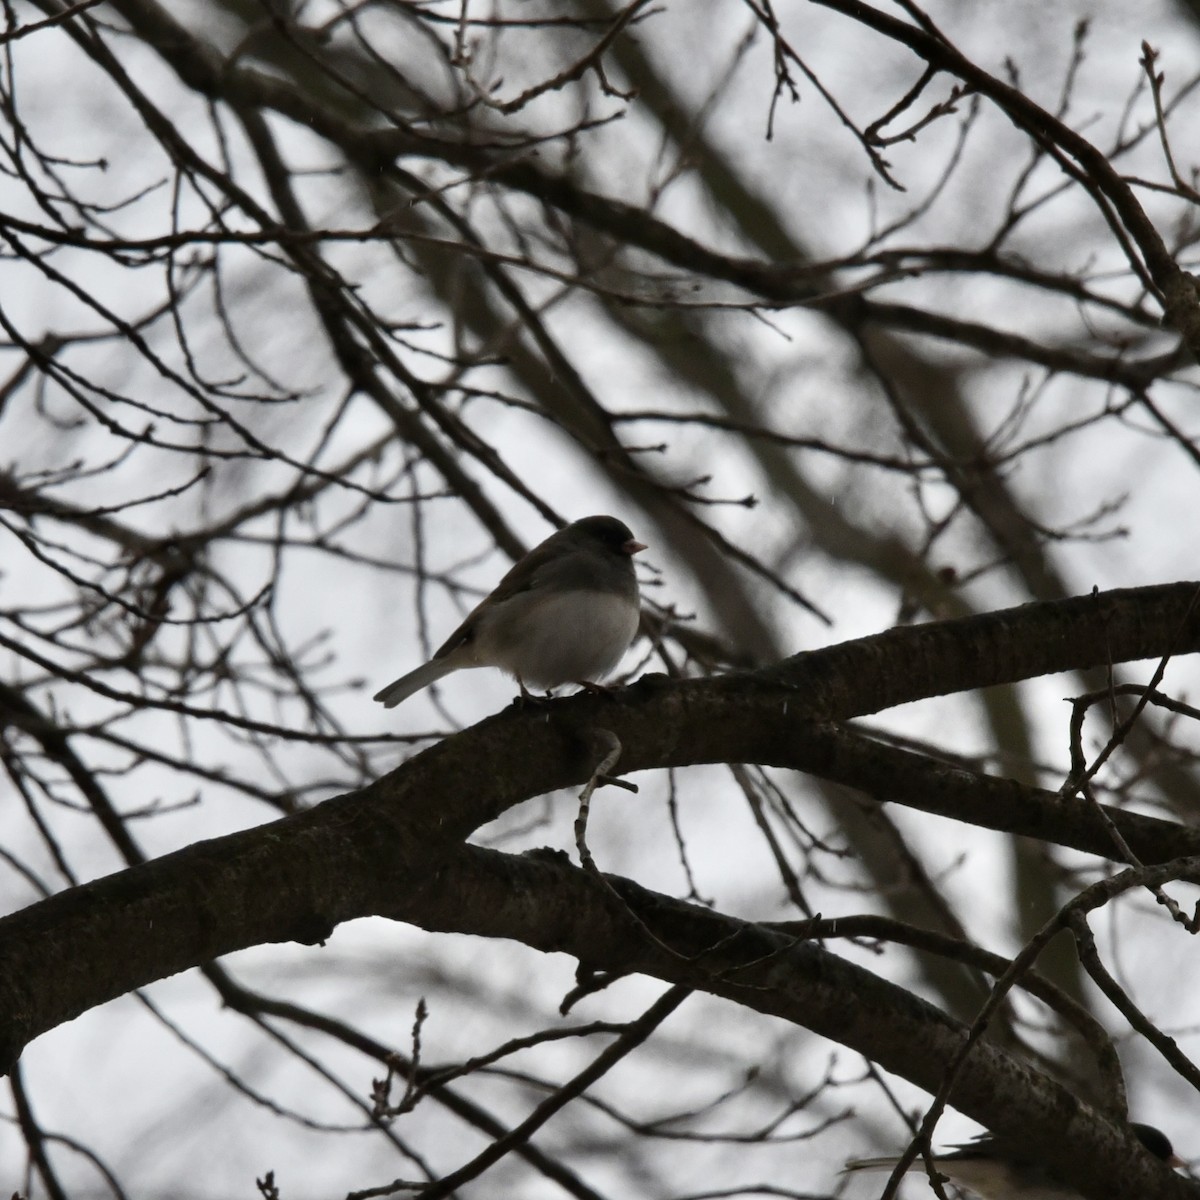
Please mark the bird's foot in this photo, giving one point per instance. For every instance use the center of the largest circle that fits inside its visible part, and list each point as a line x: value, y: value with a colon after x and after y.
x: 595, y: 689
x: 528, y: 699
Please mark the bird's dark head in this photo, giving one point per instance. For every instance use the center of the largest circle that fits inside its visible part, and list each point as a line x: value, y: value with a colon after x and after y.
x: 612, y: 534
x: 1157, y: 1143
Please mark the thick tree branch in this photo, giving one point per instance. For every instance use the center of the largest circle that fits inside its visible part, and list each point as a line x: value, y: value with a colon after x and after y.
x: 892, y: 775
x: 797, y: 980
x: 298, y: 878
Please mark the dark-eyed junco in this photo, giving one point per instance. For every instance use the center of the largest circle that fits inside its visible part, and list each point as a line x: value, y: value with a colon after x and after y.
x: 565, y: 613
x: 993, y: 1169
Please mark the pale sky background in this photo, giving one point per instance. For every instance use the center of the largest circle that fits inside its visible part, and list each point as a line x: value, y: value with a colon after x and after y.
x: 165, y: 1120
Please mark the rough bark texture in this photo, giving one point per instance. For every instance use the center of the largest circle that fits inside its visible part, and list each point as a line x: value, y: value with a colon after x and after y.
x: 397, y: 849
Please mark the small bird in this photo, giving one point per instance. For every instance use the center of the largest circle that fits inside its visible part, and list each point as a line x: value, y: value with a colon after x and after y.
x: 993, y: 1169
x: 565, y: 613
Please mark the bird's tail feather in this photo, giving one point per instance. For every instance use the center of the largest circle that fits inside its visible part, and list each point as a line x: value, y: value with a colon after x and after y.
x: 870, y: 1164
x: 414, y: 681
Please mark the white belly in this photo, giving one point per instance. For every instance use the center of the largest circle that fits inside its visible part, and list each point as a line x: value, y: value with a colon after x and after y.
x: 567, y: 637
